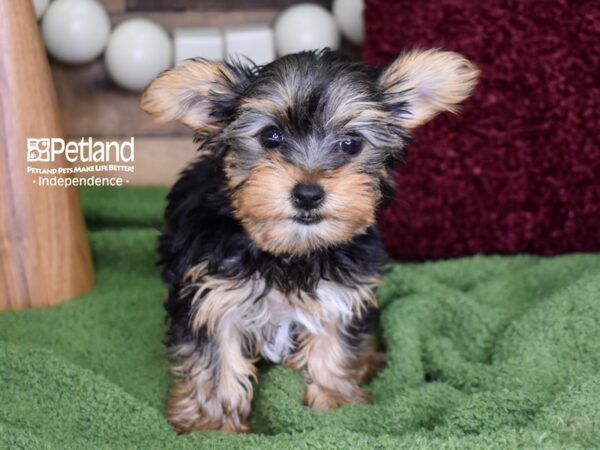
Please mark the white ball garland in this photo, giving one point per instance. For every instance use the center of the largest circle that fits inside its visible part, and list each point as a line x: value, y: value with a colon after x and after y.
x: 349, y: 17
x: 138, y: 50
x: 78, y: 31
x: 75, y: 31
x: 40, y: 6
x: 305, y: 26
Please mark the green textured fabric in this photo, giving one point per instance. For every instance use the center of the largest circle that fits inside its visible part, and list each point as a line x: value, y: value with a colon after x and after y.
x: 484, y: 352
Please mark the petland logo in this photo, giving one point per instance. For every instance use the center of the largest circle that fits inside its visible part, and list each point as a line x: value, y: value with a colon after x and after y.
x: 85, y: 150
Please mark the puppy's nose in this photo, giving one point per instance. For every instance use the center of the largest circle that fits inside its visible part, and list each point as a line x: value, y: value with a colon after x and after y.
x: 307, y: 195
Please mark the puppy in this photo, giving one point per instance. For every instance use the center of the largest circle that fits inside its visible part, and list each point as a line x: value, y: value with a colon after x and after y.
x: 271, y: 247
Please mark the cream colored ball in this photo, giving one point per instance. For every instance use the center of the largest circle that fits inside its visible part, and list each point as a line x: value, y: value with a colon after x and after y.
x: 349, y: 17
x: 75, y: 31
x: 305, y: 27
x: 138, y: 50
x: 40, y: 6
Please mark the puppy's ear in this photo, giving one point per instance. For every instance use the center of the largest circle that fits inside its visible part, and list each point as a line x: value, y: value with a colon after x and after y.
x: 198, y: 93
x: 422, y: 83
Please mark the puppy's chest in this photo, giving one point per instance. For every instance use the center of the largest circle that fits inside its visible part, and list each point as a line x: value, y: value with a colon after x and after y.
x: 273, y: 320
x: 276, y: 319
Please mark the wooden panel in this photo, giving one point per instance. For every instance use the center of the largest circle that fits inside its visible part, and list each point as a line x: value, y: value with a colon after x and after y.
x: 222, y: 5
x: 114, y: 5
x: 91, y: 105
x: 158, y: 161
x: 214, y: 18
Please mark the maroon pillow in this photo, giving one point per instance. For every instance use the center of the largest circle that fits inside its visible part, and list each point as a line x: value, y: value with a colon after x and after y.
x: 519, y: 169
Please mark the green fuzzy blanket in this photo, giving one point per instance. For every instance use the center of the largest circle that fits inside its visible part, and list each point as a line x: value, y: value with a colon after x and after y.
x: 484, y: 352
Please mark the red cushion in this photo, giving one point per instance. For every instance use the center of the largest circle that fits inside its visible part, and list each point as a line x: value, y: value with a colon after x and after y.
x: 519, y: 169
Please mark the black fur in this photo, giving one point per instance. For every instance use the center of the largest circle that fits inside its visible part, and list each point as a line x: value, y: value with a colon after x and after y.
x: 199, y: 220
x: 257, y: 266
x: 199, y: 225
x: 253, y: 265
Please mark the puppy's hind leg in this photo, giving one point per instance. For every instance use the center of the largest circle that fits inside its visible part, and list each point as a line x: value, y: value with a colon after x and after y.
x: 368, y: 360
x: 360, y: 337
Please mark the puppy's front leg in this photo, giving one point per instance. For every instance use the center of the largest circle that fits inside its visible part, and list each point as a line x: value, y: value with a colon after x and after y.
x: 329, y: 366
x: 212, y: 389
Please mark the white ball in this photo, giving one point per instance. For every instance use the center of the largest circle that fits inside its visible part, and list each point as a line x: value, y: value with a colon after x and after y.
x: 305, y: 27
x: 39, y: 7
x: 349, y: 17
x: 75, y: 31
x: 138, y: 50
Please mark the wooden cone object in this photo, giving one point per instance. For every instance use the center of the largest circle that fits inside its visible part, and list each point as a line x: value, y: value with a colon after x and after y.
x: 44, y: 252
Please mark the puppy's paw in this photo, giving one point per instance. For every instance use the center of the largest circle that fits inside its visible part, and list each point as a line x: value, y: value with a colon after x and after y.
x: 324, y: 399
x: 197, y: 421
x: 187, y: 411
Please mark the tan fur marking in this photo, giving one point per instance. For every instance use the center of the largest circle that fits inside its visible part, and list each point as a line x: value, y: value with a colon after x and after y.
x: 263, y: 206
x: 213, y: 387
x: 331, y: 375
x: 430, y: 81
x: 353, y: 111
x: 351, y: 201
x: 235, y: 177
x: 266, y: 193
x: 206, y: 397
x: 275, y: 105
x: 215, y: 297
x: 182, y: 93
x: 333, y: 371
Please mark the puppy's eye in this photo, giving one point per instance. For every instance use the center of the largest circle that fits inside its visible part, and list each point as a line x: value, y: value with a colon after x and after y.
x: 351, y: 146
x: 271, y: 137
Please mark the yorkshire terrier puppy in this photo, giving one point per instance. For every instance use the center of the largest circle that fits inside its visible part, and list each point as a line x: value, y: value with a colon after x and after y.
x: 270, y: 245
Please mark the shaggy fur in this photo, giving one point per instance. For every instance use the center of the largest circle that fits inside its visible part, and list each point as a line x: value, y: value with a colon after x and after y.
x: 271, y: 248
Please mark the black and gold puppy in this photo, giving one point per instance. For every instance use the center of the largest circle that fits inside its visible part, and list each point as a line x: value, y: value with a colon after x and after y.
x: 271, y: 246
